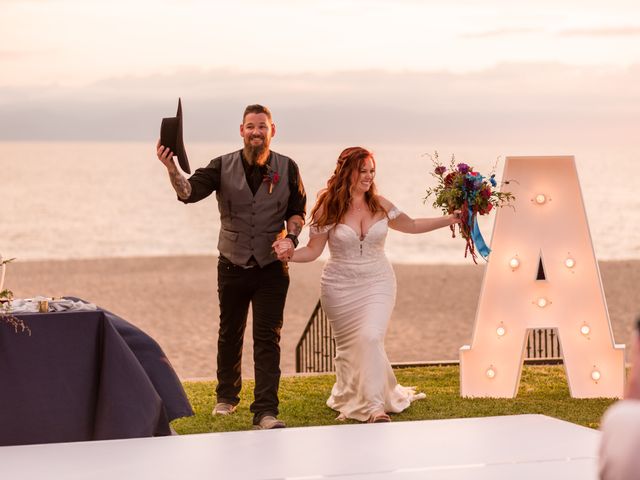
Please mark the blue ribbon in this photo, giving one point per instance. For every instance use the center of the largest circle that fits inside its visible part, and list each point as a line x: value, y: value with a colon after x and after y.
x: 477, y: 238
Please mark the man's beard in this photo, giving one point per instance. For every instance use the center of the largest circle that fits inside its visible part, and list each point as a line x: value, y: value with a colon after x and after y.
x: 256, y: 152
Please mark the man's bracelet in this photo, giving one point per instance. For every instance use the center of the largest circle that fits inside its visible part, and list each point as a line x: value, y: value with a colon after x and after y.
x: 293, y: 238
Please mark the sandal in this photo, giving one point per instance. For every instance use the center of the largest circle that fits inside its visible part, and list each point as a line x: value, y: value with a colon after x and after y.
x: 380, y: 417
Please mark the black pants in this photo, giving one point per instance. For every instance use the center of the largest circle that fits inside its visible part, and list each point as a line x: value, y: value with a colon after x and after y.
x: 266, y: 290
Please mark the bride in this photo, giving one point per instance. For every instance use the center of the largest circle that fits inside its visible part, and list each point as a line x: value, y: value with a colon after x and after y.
x: 358, y: 286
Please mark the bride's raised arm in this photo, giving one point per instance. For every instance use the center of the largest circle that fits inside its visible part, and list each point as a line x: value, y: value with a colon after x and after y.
x: 404, y: 223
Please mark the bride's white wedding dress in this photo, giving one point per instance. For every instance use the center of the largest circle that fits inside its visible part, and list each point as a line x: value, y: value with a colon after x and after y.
x: 358, y: 292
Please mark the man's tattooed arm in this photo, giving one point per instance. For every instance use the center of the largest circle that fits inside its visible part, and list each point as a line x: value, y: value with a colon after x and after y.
x: 295, y: 224
x: 284, y: 247
x: 180, y: 184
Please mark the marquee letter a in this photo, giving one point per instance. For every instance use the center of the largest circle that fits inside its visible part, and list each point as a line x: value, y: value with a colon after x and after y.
x: 542, y: 273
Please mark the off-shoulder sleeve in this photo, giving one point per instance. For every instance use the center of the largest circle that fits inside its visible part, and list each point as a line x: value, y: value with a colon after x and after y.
x: 393, y: 212
x: 313, y: 230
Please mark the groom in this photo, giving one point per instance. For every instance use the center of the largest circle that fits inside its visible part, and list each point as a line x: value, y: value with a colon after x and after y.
x: 258, y: 190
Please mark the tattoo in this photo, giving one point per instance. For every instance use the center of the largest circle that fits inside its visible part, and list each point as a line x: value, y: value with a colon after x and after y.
x: 295, y: 227
x: 180, y: 184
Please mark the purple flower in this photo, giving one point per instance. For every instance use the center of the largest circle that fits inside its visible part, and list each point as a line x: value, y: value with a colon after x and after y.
x: 493, y: 180
x: 440, y: 169
x: 469, y: 183
x: 463, y: 168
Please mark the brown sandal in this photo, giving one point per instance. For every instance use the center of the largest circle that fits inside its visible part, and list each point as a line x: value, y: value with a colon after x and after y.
x: 380, y: 417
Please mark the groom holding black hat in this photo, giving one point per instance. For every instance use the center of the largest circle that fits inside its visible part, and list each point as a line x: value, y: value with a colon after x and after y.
x: 258, y: 190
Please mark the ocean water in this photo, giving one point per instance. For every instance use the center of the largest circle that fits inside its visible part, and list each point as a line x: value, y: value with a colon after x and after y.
x: 63, y: 200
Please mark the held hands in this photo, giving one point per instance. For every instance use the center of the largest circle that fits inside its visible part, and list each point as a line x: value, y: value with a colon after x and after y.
x: 165, y: 155
x: 283, y: 249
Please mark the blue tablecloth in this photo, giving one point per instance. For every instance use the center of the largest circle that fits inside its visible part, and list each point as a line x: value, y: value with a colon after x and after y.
x: 87, y: 375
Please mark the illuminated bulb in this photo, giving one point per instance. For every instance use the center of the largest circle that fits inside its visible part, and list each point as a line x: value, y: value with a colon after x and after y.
x: 491, y: 373
x: 570, y: 262
x: 514, y: 263
x: 501, y: 331
x: 542, y: 302
x: 595, y: 375
x: 540, y: 199
x: 585, y: 330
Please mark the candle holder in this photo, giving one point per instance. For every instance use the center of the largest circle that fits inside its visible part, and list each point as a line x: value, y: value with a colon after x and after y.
x: 43, y: 306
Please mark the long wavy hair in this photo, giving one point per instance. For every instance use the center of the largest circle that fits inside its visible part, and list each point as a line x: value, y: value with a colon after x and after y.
x: 334, y: 201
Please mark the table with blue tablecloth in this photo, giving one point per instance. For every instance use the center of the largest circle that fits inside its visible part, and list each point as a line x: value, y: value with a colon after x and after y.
x: 84, y: 375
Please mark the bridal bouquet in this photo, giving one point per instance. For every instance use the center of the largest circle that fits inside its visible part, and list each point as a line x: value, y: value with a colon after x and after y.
x: 461, y: 188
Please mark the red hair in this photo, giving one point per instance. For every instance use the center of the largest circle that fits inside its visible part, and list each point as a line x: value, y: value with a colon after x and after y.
x: 334, y: 201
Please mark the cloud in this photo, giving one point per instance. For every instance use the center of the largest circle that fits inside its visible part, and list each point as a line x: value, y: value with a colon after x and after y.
x: 602, y: 32
x: 502, y: 32
x: 515, y: 102
x: 22, y: 54
x: 12, y: 54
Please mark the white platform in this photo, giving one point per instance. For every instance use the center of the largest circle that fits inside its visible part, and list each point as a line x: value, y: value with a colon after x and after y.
x: 510, y: 447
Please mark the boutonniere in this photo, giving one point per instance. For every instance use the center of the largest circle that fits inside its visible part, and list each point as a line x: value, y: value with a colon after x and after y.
x: 271, y: 177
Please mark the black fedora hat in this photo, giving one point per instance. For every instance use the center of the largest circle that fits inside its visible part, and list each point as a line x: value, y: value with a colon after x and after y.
x: 171, y: 137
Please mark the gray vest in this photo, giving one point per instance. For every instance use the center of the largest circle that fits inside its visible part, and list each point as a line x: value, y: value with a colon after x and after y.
x: 250, y: 224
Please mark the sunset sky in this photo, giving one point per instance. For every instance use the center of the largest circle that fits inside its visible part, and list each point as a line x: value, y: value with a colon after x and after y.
x: 393, y: 69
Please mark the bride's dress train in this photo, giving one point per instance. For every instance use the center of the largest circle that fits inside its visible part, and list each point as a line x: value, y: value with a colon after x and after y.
x: 358, y: 292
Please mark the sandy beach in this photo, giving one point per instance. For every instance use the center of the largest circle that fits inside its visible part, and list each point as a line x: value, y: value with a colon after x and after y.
x: 174, y: 300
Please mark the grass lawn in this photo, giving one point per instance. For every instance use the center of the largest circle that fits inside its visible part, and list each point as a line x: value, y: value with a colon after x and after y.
x: 543, y: 390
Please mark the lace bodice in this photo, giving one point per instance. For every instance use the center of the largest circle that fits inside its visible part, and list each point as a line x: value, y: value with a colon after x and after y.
x: 351, y: 256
